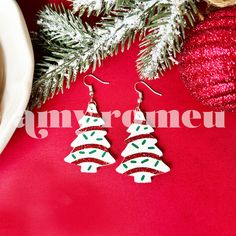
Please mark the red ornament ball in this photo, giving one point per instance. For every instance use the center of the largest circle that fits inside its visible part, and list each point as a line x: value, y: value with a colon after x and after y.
x: 208, y: 61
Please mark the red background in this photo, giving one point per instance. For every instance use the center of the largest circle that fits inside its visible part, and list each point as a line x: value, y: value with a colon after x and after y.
x: 40, y: 195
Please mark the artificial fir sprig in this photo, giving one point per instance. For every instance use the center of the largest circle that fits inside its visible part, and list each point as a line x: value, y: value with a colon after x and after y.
x: 165, y: 36
x: 83, y: 45
x: 97, y: 6
x: 62, y: 36
x: 71, y: 46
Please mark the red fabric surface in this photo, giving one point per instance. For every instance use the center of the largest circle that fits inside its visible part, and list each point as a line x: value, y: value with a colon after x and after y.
x: 41, y: 195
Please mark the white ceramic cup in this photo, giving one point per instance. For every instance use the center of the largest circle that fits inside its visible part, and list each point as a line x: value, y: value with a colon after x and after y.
x: 17, y: 67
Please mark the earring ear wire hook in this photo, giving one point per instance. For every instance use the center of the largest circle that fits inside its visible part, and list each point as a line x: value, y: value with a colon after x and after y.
x: 91, y: 90
x: 95, y: 77
x: 140, y: 94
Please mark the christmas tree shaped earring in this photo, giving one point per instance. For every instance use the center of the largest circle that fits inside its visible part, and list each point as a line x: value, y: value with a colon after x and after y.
x: 90, y: 148
x: 142, y: 158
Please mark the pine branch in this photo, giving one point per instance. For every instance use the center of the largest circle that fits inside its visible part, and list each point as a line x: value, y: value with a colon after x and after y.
x: 165, y: 37
x: 63, y: 28
x: 97, y: 6
x: 62, y: 36
x: 71, y: 46
x: 120, y: 27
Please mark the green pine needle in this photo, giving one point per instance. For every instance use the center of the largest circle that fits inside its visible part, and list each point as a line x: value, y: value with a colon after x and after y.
x: 165, y: 37
x: 71, y: 46
x: 98, y: 6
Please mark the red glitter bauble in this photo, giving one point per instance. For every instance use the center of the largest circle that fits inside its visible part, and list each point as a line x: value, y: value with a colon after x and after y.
x: 208, y: 60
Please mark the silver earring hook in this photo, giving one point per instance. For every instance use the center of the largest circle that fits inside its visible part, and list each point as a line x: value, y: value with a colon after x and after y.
x: 140, y: 94
x: 91, y: 90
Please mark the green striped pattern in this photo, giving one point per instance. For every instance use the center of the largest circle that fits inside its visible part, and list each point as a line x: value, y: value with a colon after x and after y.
x: 125, y: 166
x: 156, y: 163
x: 135, y: 145
x: 93, y: 151
x: 143, y: 142
x: 144, y: 161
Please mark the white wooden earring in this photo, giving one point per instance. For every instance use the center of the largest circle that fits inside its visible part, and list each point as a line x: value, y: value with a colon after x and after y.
x: 142, y: 158
x: 91, y: 148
